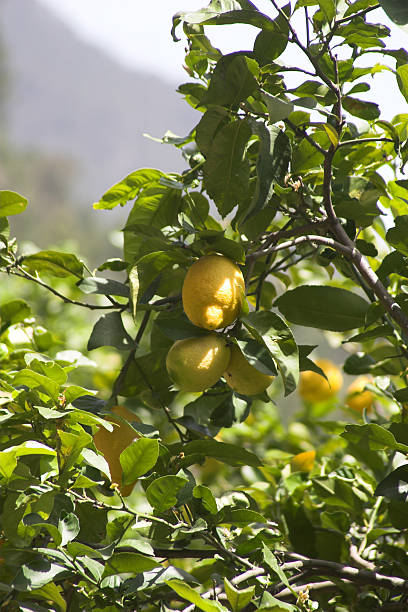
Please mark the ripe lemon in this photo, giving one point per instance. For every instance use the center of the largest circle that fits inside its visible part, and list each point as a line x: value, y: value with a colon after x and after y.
x: 358, y: 399
x: 303, y: 462
x: 112, y: 443
x: 195, y: 364
x: 213, y: 292
x: 314, y: 388
x: 242, y: 377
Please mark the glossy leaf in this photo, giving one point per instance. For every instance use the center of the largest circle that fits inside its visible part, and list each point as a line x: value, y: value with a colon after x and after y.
x: 226, y: 171
x: 328, y: 308
x: 185, y: 591
x: 128, y: 188
x: 162, y: 492
x: 109, y: 331
x: 103, y: 286
x: 271, y: 331
x: 54, y: 263
x: 138, y: 458
x: 11, y: 203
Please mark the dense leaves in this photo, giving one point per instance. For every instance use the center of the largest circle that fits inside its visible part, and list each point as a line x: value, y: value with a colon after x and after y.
x: 294, y: 498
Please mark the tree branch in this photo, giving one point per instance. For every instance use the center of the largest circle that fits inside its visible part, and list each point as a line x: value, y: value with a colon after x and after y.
x: 329, y: 242
x: 338, y: 570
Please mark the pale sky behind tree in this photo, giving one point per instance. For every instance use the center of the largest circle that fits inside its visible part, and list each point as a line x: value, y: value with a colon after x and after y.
x: 137, y: 33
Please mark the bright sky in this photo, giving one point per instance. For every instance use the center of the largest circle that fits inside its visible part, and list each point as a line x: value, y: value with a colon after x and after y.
x: 137, y: 33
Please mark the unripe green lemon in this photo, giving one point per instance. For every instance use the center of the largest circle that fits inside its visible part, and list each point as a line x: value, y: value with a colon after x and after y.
x: 195, y: 364
x: 242, y: 377
x: 213, y: 292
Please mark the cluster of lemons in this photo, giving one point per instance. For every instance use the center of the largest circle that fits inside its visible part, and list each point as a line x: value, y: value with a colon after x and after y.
x: 314, y: 388
x: 213, y: 294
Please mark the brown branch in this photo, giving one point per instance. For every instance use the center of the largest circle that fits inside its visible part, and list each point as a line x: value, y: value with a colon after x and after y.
x: 368, y: 274
x: 23, y: 274
x: 301, y: 132
x: 347, y: 143
x: 329, y: 242
x: 346, y: 572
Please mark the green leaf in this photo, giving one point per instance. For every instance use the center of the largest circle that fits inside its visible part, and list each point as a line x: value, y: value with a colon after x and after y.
x: 227, y: 453
x: 271, y: 331
x: 11, y: 203
x: 103, y: 286
x: 322, y: 307
x: 151, y: 265
x: 157, y: 206
x: 277, y: 109
x: 372, y: 437
x: 360, y: 108
x: 128, y: 188
x: 231, y: 81
x: 134, y: 288
x: 395, y: 485
x: 138, y: 458
x: 49, y: 592
x: 68, y: 526
x: 397, y: 236
x: 109, y: 331
x: 185, y: 591
x: 207, y: 498
x: 271, y: 42
x: 128, y: 563
x: 238, y: 599
x: 8, y: 457
x: 34, y: 380
x: 13, y: 312
x: 36, y: 574
x: 272, y: 562
x: 402, y: 79
x: 275, y: 605
x: 222, y: 12
x: 239, y: 517
x: 162, y: 492
x: 397, y: 10
x: 272, y: 163
x: 226, y: 171
x: 176, y: 326
x: 54, y: 263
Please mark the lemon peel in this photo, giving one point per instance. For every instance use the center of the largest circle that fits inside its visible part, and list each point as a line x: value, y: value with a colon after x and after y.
x: 242, y: 377
x: 213, y: 292
x: 195, y: 364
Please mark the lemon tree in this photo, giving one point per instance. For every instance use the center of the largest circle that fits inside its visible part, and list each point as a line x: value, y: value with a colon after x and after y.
x: 217, y: 419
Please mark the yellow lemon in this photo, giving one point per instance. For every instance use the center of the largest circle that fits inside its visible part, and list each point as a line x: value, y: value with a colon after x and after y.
x: 242, y: 377
x: 303, y: 462
x: 314, y: 388
x: 195, y: 364
x: 112, y: 443
x: 213, y: 292
x: 358, y: 399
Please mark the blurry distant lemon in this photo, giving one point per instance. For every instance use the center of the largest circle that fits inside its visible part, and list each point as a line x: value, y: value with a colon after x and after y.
x: 315, y: 388
x: 242, y: 377
x: 112, y: 443
x: 358, y: 399
x: 213, y: 292
x: 195, y: 364
x: 303, y: 462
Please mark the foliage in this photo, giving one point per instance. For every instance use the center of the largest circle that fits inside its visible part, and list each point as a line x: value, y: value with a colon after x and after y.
x: 237, y: 506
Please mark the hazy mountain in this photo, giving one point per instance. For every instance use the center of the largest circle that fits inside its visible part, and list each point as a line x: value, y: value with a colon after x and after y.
x: 81, y: 110
x: 71, y: 98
